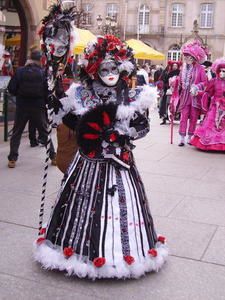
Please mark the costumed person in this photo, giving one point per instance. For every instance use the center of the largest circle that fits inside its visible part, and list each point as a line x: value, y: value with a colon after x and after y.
x: 208, y: 69
x: 192, y: 73
x: 101, y: 225
x: 211, y: 134
x: 57, y: 40
x: 172, y: 69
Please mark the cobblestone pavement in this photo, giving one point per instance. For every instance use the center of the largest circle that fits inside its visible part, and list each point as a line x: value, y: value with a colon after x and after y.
x: 186, y: 191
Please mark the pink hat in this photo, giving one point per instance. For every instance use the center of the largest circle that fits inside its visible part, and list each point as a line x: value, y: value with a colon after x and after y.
x: 218, y: 64
x: 196, y: 50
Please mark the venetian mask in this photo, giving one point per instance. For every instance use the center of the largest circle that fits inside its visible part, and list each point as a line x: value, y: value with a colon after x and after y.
x: 189, y: 59
x: 108, y: 72
x: 222, y: 73
x: 60, y: 42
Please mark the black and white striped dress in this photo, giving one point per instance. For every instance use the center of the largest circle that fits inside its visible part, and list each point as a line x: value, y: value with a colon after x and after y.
x: 101, y: 225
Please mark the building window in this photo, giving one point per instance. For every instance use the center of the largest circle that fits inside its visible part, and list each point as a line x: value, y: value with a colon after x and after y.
x: 174, y: 53
x: 7, y: 4
x: 143, y: 19
x: 206, y: 15
x: 11, y: 6
x: 177, y: 14
x: 2, y: 4
x: 112, y: 10
x: 87, y: 8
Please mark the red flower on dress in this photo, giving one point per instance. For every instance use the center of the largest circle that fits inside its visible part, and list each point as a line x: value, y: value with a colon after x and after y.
x: 161, y: 239
x: 42, y: 230
x: 125, y: 156
x: 68, y: 251
x: 92, y: 154
x: 153, y: 252
x: 129, y: 259
x: 112, y: 137
x: 40, y: 240
x: 99, y: 262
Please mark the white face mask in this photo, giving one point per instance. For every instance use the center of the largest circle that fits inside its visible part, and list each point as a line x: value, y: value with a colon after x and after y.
x: 189, y: 59
x: 109, y: 73
x: 222, y: 73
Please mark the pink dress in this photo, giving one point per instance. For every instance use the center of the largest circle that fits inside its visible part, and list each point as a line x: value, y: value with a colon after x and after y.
x: 211, y: 134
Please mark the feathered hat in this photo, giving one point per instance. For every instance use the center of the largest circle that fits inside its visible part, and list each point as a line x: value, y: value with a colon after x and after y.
x: 218, y: 64
x: 196, y: 50
x: 111, y: 48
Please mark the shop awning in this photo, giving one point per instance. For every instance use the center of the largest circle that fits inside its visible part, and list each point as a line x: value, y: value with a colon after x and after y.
x: 83, y: 38
x: 13, y: 41
x: 143, y: 51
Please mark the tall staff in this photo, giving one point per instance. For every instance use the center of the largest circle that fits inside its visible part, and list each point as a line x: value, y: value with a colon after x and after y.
x: 56, y: 38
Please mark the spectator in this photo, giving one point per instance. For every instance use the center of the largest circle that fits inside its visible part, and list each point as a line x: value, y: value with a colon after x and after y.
x: 142, y: 76
x: 34, y: 140
x: 7, y: 68
x: 29, y: 85
x: 172, y: 69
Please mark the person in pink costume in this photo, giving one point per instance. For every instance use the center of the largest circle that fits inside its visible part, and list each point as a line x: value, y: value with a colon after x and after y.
x: 192, y: 74
x: 211, y: 134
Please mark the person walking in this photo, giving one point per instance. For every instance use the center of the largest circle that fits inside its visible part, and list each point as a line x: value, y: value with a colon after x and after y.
x: 29, y: 85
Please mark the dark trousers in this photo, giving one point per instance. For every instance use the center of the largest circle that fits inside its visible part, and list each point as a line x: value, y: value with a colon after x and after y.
x: 163, y: 106
x: 32, y: 133
x: 37, y: 116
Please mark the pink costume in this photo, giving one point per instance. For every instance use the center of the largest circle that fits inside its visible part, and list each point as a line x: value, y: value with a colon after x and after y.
x: 192, y: 73
x: 211, y: 134
x: 189, y: 105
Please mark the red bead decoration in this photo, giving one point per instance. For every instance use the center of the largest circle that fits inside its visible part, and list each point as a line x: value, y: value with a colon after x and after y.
x: 68, y: 251
x: 129, y: 259
x: 99, y: 262
x: 161, y: 239
x: 153, y: 252
x: 40, y: 240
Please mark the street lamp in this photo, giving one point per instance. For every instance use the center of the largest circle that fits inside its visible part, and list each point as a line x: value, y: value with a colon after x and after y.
x: 110, y: 25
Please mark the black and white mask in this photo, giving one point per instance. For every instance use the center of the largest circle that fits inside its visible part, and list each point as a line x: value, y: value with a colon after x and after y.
x: 108, y: 72
x: 60, y: 42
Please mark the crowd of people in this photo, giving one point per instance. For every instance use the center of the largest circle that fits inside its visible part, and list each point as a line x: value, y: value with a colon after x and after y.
x: 191, y: 90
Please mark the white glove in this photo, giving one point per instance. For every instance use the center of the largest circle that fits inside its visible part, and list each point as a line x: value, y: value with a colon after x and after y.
x: 194, y: 90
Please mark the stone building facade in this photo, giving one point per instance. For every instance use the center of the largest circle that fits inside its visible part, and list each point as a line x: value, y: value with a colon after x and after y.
x: 163, y: 24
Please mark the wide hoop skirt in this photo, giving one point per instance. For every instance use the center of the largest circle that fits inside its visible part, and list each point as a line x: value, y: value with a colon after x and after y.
x: 101, y: 225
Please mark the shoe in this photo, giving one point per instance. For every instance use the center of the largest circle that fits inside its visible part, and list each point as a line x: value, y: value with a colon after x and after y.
x: 33, y: 144
x: 163, y: 122
x: 11, y: 164
x: 53, y: 162
x: 181, y: 144
x: 41, y: 142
